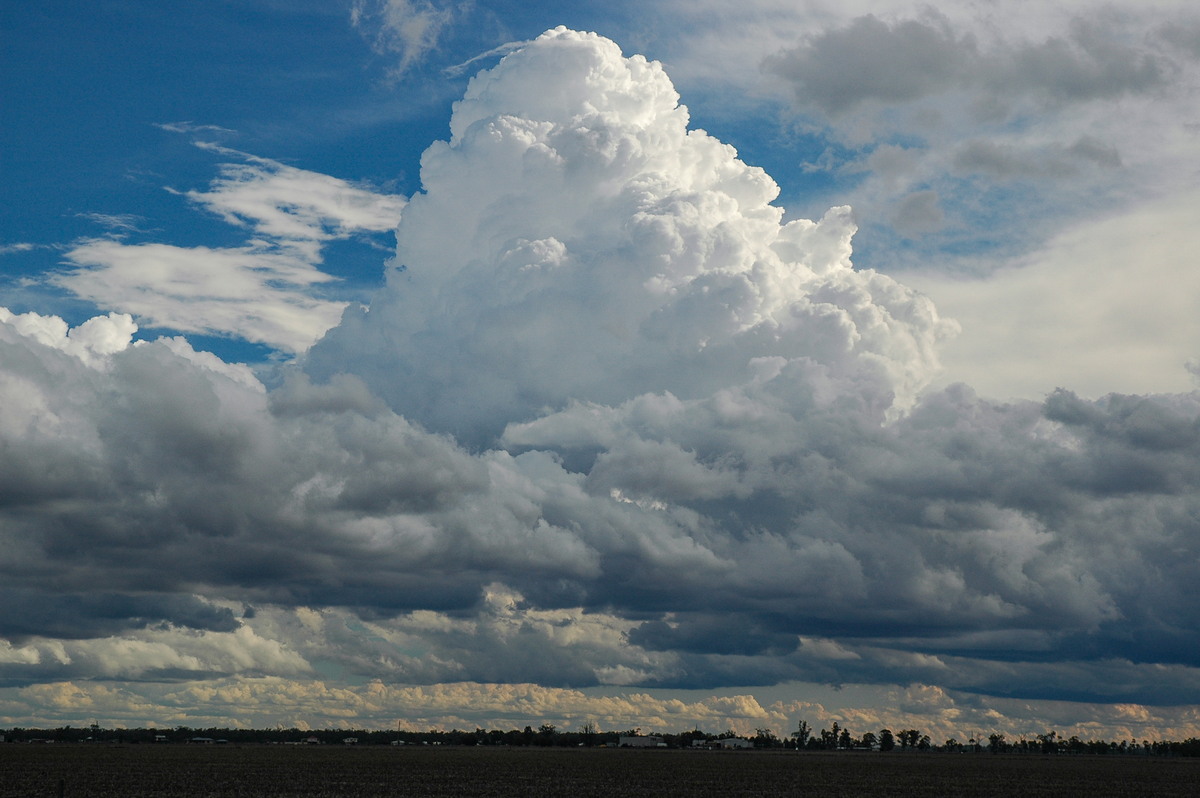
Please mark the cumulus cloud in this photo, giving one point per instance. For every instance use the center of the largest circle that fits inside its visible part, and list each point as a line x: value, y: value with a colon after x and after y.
x: 90, y: 341
x: 574, y: 240
x: 612, y: 423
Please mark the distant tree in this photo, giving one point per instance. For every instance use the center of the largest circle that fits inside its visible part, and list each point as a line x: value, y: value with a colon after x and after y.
x: 870, y: 740
x: 886, y: 740
x: 802, y: 733
x: 765, y: 738
x: 909, y: 738
x: 1048, y: 742
x: 844, y: 740
x: 951, y: 745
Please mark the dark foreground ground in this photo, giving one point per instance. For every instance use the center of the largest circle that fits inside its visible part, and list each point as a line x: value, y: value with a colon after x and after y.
x: 171, y: 771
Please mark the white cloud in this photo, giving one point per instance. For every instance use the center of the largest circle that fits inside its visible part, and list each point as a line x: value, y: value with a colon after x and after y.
x: 407, y: 28
x: 264, y: 291
x: 91, y: 341
x: 576, y: 241
x: 260, y: 294
x: 192, y: 127
x: 161, y: 653
x: 291, y: 205
x: 1105, y: 306
x: 122, y: 222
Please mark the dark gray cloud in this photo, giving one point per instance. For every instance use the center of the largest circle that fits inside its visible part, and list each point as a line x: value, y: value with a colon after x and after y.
x: 47, y: 613
x: 873, y: 61
x: 918, y: 213
x: 1183, y: 34
x: 1006, y: 161
x: 801, y: 538
x: 870, y: 60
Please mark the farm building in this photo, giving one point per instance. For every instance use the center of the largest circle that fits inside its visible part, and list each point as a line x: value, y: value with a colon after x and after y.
x: 625, y: 741
x: 726, y: 743
x: 736, y: 742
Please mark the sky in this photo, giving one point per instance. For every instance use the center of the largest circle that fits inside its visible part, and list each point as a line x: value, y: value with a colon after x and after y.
x: 660, y: 365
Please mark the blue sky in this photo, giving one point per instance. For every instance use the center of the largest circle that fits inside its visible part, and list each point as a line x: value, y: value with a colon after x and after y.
x: 618, y: 420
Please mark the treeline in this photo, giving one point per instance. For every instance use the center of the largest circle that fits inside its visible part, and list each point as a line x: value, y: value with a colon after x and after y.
x: 840, y: 739
x: 547, y: 735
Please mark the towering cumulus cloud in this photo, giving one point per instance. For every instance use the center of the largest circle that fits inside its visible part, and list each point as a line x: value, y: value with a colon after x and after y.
x: 611, y: 421
x: 575, y: 241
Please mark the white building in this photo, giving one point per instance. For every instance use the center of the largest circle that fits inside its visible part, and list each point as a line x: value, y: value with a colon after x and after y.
x: 640, y: 742
x: 735, y: 742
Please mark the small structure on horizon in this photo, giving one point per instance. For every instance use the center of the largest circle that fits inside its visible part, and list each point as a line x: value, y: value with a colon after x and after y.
x: 630, y: 741
x: 735, y: 742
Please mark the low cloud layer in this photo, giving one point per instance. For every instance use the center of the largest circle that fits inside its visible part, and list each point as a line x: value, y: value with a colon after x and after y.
x: 611, y: 422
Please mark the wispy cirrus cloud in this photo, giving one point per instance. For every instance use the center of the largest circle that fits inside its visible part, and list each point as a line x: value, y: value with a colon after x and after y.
x: 192, y: 127
x: 258, y: 293
x: 406, y: 29
x: 287, y: 205
x: 262, y: 291
x: 117, y: 222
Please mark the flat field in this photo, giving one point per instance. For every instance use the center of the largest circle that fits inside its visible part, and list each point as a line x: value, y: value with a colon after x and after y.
x: 210, y: 771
